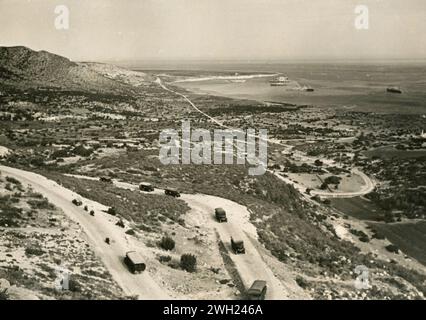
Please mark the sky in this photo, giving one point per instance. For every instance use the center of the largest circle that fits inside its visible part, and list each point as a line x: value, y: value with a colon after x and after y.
x: 129, y: 30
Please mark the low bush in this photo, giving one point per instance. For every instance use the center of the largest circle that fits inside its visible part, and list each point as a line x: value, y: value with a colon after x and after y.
x: 188, y: 262
x: 167, y: 243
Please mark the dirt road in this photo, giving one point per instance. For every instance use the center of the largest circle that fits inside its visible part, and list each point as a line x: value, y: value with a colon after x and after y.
x: 366, y: 188
x: 250, y: 266
x: 97, y: 228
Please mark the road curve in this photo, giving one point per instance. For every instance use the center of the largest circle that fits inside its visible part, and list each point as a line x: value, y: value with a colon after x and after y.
x: 96, y: 228
x: 250, y: 266
x: 367, y: 188
x: 369, y: 184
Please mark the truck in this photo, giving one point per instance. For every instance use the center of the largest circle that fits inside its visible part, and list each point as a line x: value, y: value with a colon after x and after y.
x: 105, y: 179
x: 238, y: 246
x: 220, y: 215
x: 77, y: 202
x: 146, y: 187
x: 257, y: 290
x: 134, y: 262
x: 172, y: 192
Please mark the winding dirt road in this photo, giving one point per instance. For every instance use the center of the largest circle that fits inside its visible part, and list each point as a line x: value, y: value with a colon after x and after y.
x: 96, y: 228
x: 368, y: 183
x: 366, y: 188
x: 250, y: 266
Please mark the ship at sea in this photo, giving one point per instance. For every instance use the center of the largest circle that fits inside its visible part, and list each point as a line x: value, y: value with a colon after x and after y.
x: 279, y: 82
x: 394, y: 90
x: 307, y: 89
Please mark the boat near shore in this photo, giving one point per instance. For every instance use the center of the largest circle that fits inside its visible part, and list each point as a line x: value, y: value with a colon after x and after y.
x: 394, y: 90
x: 279, y: 82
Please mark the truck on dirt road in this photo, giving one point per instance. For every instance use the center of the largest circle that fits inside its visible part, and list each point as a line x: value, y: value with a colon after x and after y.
x: 257, y: 290
x: 220, y: 215
x: 105, y: 179
x: 238, y: 246
x: 172, y: 192
x: 134, y: 262
x: 146, y: 187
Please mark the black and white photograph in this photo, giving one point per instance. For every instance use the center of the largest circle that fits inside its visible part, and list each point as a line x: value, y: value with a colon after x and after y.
x: 212, y: 150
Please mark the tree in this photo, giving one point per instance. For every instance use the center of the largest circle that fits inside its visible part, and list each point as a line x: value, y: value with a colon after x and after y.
x: 392, y: 248
x: 323, y: 186
x: 318, y: 163
x: 332, y: 180
x: 188, y: 262
x: 112, y: 211
x: 167, y: 243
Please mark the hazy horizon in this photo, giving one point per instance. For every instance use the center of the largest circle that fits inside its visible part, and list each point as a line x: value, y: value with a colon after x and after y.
x: 218, y: 30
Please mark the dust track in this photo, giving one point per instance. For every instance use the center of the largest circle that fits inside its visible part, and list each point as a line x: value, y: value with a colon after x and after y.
x: 250, y: 266
x: 97, y: 228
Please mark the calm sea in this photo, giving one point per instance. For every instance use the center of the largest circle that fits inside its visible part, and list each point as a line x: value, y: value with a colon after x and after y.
x: 360, y: 87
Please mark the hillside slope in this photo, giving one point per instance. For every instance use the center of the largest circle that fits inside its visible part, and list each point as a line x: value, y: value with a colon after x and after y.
x: 24, y: 68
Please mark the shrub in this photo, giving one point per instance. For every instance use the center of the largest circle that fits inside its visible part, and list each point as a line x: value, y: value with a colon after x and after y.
x: 302, y: 282
x: 332, y: 180
x: 33, y: 251
x: 167, y: 243
x: 4, y: 295
x: 188, y: 262
x: 13, y: 181
x: 41, y: 204
x: 392, y: 248
x: 164, y: 259
x: 112, y: 211
x: 82, y: 151
x: 130, y: 232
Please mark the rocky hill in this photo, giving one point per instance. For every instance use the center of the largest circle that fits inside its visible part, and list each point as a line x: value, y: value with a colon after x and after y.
x: 22, y: 68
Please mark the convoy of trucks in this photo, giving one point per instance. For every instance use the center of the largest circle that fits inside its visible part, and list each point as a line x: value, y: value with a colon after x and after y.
x: 135, y: 262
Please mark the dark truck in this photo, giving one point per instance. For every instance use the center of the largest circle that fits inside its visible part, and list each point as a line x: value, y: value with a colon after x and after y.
x: 105, y: 179
x: 77, y: 202
x: 257, y: 290
x: 220, y: 215
x: 134, y: 262
x: 238, y: 246
x: 172, y: 192
x: 146, y: 187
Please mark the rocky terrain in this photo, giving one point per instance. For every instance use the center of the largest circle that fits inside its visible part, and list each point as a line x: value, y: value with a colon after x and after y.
x: 72, y: 123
